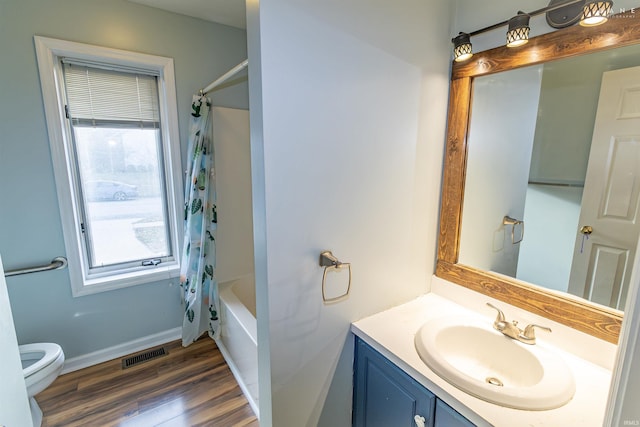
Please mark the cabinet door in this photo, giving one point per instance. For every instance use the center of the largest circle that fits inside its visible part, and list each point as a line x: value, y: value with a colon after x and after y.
x: 446, y: 416
x: 384, y: 395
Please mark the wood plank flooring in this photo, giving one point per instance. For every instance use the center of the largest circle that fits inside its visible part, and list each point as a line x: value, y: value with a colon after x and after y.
x: 189, y: 387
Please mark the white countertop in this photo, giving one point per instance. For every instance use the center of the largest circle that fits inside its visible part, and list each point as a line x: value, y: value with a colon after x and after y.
x: 392, y: 334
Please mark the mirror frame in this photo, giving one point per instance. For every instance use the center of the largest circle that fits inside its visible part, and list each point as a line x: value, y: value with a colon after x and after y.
x: 577, y: 313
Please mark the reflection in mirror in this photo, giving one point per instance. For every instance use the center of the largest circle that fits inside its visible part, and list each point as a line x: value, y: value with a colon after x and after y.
x: 557, y: 147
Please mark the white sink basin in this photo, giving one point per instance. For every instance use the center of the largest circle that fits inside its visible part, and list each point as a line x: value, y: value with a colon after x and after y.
x: 471, y: 355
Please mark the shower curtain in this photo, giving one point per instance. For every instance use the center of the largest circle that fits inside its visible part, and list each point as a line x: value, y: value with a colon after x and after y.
x: 197, y: 271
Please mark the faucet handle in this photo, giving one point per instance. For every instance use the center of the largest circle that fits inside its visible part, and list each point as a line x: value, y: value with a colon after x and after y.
x: 500, y: 317
x: 529, y: 331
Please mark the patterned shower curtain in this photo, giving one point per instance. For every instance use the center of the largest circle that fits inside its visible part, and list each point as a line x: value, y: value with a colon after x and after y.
x: 197, y: 272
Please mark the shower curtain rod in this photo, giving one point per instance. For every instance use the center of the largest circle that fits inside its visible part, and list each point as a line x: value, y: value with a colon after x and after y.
x: 226, y: 76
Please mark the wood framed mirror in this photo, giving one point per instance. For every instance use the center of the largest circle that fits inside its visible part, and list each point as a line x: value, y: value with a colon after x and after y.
x: 594, y: 319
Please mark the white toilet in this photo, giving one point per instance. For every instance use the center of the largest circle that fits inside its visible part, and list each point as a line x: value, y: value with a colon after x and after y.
x: 41, y: 365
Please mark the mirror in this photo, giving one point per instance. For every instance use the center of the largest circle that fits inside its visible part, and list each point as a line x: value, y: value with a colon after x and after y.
x: 478, y: 248
x: 528, y: 158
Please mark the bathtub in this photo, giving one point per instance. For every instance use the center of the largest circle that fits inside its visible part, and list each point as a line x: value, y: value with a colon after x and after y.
x: 238, y: 340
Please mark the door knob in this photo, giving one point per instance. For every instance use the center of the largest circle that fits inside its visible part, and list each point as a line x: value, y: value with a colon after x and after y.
x: 586, y: 229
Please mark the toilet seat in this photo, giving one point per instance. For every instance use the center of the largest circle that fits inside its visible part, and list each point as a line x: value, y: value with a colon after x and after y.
x: 42, y: 363
x: 45, y: 353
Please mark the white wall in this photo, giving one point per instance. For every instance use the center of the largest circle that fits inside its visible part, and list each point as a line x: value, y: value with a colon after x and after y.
x: 501, y: 134
x: 568, y: 106
x: 630, y: 393
x: 551, y: 216
x: 623, y: 407
x: 234, y: 238
x: 348, y: 149
x: 14, y: 404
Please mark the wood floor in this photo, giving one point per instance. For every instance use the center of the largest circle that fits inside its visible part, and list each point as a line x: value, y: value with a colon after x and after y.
x: 189, y: 387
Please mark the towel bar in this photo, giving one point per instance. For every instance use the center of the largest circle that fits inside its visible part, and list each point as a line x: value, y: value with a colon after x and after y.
x: 56, y: 264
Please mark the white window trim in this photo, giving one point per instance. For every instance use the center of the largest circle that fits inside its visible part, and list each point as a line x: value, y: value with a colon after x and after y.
x: 48, y: 52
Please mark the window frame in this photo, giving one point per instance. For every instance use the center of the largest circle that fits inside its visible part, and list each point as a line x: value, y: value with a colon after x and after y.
x: 49, y: 52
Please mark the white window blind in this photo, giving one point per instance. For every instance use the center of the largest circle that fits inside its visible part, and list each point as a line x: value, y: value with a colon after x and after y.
x: 97, y: 94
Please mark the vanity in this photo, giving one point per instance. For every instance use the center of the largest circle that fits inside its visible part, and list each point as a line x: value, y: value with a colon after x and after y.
x: 386, y: 396
x: 392, y: 381
x: 417, y: 364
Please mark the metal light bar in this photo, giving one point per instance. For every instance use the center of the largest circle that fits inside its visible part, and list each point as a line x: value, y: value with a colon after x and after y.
x: 534, y: 13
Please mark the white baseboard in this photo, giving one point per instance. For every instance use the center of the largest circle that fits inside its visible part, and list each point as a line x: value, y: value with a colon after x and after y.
x: 236, y: 373
x: 110, y: 353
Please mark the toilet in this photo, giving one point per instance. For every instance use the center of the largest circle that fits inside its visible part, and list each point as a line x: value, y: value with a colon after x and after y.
x: 41, y: 365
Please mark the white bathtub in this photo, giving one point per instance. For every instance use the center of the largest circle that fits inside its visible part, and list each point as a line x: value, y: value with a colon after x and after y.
x: 238, y: 341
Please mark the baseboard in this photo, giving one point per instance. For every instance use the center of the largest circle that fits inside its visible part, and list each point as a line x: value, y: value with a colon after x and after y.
x: 110, y: 353
x: 236, y: 373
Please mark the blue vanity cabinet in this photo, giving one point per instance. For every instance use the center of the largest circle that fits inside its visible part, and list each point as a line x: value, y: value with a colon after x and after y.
x: 385, y: 396
x: 446, y: 416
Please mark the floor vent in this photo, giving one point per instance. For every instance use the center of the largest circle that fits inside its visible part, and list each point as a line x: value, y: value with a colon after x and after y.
x: 143, y: 357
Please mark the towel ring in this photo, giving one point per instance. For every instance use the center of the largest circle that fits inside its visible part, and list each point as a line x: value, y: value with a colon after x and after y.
x: 507, y: 220
x: 330, y: 262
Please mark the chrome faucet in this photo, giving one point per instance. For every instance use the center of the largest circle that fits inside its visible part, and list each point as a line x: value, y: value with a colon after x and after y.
x: 511, y: 329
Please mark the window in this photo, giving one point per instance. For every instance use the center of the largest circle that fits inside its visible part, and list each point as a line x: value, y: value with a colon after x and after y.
x: 112, y: 122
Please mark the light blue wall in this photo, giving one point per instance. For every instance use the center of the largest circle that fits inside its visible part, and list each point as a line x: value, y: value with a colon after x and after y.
x: 30, y: 229
x: 551, y: 214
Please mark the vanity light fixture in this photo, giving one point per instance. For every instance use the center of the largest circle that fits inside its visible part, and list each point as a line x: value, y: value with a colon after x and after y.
x: 567, y: 12
x: 518, y: 33
x: 595, y: 13
x: 462, y: 48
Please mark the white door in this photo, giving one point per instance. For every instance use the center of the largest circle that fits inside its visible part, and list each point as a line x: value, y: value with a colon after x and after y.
x: 14, y: 404
x: 602, y: 263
